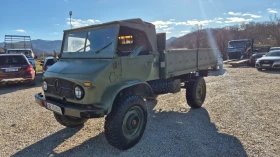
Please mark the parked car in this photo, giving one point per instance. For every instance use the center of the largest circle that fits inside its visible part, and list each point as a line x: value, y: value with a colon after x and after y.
x: 274, y: 48
x: 15, y: 68
x: 49, y: 61
x: 254, y: 57
x: 269, y: 61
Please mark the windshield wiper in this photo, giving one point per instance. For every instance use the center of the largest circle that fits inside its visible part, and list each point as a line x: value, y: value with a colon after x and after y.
x: 98, y: 51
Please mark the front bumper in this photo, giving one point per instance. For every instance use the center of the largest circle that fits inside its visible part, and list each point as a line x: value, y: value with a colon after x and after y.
x: 66, y: 109
x: 15, y: 80
x: 275, y: 65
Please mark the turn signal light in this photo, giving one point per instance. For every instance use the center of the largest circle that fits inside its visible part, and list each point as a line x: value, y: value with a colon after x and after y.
x: 87, y: 84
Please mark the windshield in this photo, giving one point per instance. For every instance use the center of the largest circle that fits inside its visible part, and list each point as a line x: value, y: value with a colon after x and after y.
x: 236, y: 44
x: 90, y: 40
x: 274, y: 53
x: 27, y: 53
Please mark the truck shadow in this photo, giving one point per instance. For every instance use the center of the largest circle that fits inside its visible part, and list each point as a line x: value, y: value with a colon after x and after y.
x: 9, y: 88
x: 217, y: 72
x: 171, y: 133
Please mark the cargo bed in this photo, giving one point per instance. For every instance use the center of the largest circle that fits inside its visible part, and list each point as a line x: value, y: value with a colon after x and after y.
x: 182, y: 61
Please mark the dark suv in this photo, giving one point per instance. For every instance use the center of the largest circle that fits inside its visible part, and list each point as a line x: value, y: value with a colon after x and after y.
x: 15, y: 68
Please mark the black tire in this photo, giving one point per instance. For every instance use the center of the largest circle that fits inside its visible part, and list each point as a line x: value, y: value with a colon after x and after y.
x: 215, y: 68
x: 196, y: 92
x: 165, y: 86
x: 115, y: 132
x: 152, y: 98
x: 259, y: 69
x: 69, y: 121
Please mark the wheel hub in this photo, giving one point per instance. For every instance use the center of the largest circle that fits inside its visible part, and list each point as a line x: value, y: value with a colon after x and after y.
x: 132, y: 122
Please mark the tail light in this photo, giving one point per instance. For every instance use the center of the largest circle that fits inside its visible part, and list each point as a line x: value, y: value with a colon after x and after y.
x: 45, y: 68
x: 29, y: 68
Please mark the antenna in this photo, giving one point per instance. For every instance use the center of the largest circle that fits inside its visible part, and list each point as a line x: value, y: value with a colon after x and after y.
x: 70, y: 13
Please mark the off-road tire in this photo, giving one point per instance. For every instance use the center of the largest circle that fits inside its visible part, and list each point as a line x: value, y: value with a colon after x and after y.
x: 69, y: 121
x: 152, y: 98
x: 165, y: 86
x: 114, y: 129
x: 192, y: 88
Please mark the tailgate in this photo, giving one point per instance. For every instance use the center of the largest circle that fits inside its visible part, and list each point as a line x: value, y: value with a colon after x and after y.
x: 10, y: 70
x: 183, y: 61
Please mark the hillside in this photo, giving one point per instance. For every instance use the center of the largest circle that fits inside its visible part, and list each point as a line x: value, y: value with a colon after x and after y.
x: 46, y: 46
x: 170, y: 40
x: 263, y: 33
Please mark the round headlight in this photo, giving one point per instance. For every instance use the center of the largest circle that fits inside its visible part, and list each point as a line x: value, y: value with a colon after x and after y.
x: 79, y: 92
x: 45, y: 86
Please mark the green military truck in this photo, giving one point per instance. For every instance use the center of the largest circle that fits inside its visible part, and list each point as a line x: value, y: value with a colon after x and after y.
x: 111, y: 69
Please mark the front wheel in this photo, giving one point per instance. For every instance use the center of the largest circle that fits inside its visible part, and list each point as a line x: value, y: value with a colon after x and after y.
x: 125, y: 124
x: 196, y: 92
x: 69, y: 121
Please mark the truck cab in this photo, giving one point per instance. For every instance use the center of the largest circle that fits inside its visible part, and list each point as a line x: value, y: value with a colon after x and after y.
x: 240, y: 49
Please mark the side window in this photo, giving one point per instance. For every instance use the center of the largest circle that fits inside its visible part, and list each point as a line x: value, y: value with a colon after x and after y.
x: 126, y: 40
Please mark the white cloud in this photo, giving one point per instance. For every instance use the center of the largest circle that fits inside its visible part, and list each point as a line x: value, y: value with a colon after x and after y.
x: 219, y: 22
x: 80, y: 23
x: 20, y: 30
x: 252, y: 15
x: 186, y: 31
x: 218, y: 18
x: 57, y: 24
x: 233, y: 13
x: 165, y: 24
x: 237, y: 19
x: 168, y: 32
x: 167, y: 29
x: 272, y: 10
x: 54, y: 33
x: 196, y: 22
x: 181, y: 35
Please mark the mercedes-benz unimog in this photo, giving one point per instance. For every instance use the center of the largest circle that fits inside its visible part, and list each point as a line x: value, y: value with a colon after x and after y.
x: 110, y: 70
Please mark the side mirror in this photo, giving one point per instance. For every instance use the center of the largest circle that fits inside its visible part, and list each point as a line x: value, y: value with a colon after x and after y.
x: 135, y: 52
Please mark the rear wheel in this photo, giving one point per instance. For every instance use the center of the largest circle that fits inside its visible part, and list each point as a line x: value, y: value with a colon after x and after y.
x: 196, y: 92
x: 69, y: 121
x: 126, y: 123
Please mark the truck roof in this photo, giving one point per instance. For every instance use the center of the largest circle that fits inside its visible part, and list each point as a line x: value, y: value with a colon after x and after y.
x: 240, y: 40
x: 136, y: 23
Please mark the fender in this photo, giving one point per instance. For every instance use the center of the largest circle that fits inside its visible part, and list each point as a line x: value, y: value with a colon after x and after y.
x: 135, y: 86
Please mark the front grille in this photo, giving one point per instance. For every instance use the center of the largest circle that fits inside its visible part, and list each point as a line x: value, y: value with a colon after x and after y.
x: 266, y: 62
x: 67, y: 88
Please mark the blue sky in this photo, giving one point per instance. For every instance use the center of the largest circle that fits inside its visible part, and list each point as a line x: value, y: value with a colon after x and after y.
x: 46, y: 19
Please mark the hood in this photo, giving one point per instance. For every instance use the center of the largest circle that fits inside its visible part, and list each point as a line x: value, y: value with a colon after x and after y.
x: 270, y: 58
x: 79, y: 66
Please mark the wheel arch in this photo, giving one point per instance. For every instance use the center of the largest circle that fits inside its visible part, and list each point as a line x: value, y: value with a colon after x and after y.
x: 142, y: 89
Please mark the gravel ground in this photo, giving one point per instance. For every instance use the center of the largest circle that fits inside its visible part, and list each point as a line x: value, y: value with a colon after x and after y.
x: 240, y: 117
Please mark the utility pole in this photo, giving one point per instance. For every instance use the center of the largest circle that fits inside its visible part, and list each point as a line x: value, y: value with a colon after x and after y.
x: 70, y: 13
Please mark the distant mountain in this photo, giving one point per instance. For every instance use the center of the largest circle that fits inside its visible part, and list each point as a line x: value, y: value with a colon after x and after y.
x: 170, y: 40
x: 41, y: 46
